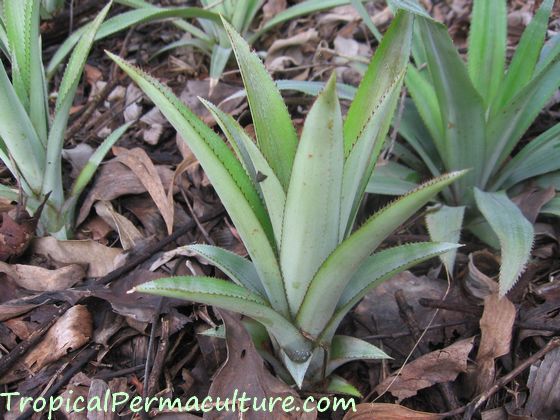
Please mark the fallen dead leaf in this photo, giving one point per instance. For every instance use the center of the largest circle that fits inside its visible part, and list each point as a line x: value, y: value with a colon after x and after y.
x: 482, y: 270
x: 433, y: 368
x: 272, y: 8
x: 496, y: 326
x: 532, y: 200
x: 41, y: 279
x: 244, y: 370
x: 72, y: 331
x: 140, y: 163
x: 388, y: 412
x: 99, y: 259
x: 115, y: 180
x: 544, y: 399
x: 378, y: 312
x: 129, y: 235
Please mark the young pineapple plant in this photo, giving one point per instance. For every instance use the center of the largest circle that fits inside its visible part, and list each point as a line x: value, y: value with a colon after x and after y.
x: 294, y: 204
x: 31, y: 141
x: 473, y: 114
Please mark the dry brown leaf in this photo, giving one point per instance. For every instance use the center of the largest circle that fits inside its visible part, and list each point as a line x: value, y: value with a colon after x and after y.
x: 72, y: 331
x: 272, y: 8
x: 482, y: 270
x: 244, y: 370
x: 532, y: 200
x: 129, y: 235
x: 544, y: 399
x: 115, y: 180
x: 140, y: 163
x: 496, y: 326
x: 388, y: 412
x: 40, y: 279
x: 379, y: 311
x: 99, y: 259
x: 433, y: 368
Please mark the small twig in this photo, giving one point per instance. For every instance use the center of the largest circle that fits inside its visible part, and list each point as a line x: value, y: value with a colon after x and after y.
x: 101, y: 96
x: 123, y: 372
x: 196, y: 220
x: 474, y: 405
x: 148, y: 366
x: 450, y: 306
x: 82, y: 359
x: 159, y: 360
x: 407, y: 315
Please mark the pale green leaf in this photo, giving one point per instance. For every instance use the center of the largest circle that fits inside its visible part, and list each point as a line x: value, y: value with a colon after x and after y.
x: 345, y: 349
x: 444, y: 224
x: 337, y: 271
x: 276, y: 136
x: 541, y: 155
x: 506, y: 128
x: 386, y: 66
x: 256, y: 166
x: 514, y: 231
x: 526, y: 55
x: 487, y: 46
x: 461, y: 108
x: 228, y: 177
x: 378, y: 268
x: 424, y: 95
x: 392, y: 178
x: 362, y: 158
x: 229, y: 296
x: 339, y: 385
x: 19, y: 136
x: 312, y: 211
x: 239, y: 269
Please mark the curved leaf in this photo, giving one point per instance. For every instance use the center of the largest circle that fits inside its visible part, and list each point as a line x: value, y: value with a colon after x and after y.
x: 228, y: 177
x: 378, y: 268
x: 256, y: 166
x: 444, y: 225
x: 276, y: 136
x: 346, y: 349
x: 514, y: 231
x: 229, y: 296
x: 336, y: 272
x: 239, y: 269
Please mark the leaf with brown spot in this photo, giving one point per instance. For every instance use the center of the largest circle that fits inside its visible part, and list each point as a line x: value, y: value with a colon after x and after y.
x: 433, y: 368
x: 140, y: 163
x: 496, y: 326
x: 388, y: 412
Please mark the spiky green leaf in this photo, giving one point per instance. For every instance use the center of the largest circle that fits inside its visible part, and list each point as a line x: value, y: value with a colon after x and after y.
x: 276, y: 136
x: 514, y: 231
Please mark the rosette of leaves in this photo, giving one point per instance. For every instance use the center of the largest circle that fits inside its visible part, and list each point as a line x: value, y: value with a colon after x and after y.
x: 294, y: 203
x: 31, y: 141
x: 473, y: 114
